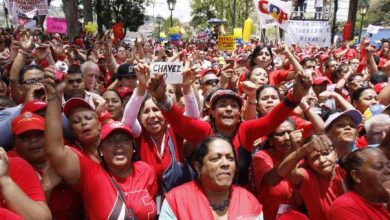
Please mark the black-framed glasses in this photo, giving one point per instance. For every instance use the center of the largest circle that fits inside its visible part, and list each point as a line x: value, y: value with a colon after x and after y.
x: 212, y: 82
x: 32, y: 81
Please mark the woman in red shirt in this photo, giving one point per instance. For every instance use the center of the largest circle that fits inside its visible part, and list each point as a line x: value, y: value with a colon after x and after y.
x: 368, y: 178
x: 116, y: 188
x: 273, y: 192
x: 320, y: 182
x: 213, y: 195
x: 225, y: 118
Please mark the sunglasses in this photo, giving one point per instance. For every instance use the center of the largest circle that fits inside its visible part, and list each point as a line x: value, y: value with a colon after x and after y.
x: 211, y: 82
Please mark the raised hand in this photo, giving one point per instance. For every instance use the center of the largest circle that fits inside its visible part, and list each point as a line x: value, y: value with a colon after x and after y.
x: 157, y: 87
x: 189, y: 74
x: 143, y: 72
x: 25, y: 41
x: 4, y: 169
x: 302, y: 85
x: 249, y: 89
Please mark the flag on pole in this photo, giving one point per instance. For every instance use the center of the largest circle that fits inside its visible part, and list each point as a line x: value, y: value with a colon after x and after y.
x: 273, y: 13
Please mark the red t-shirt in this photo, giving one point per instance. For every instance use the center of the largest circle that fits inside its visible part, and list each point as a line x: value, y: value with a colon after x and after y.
x: 278, y: 76
x: 148, y: 153
x: 351, y: 206
x: 101, y: 199
x: 64, y: 202
x: 351, y: 53
x: 319, y: 193
x: 25, y: 177
x: 270, y: 196
x: 9, y: 215
x: 189, y: 202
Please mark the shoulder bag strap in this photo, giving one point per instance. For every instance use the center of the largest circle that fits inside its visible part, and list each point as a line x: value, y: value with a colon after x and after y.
x: 129, y: 211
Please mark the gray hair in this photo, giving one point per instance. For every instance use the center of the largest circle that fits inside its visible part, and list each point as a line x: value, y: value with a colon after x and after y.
x: 380, y: 118
x: 87, y: 64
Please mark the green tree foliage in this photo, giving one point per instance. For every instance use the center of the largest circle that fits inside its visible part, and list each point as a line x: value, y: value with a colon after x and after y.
x: 378, y: 14
x: 203, y: 10
x: 130, y: 12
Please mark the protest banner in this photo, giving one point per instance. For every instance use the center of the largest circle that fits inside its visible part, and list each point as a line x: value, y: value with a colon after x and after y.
x: 372, y: 29
x: 226, y: 43
x: 56, y: 25
x: 304, y: 33
x: 28, y: 20
x: 29, y: 5
x: 202, y: 36
x: 273, y: 13
x: 172, y: 71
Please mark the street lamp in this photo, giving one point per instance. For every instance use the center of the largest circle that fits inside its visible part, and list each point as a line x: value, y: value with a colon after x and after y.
x: 363, y: 11
x: 171, y: 7
x: 159, y: 21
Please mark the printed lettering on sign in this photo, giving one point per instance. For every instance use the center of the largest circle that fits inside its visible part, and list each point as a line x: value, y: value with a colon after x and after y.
x: 172, y: 71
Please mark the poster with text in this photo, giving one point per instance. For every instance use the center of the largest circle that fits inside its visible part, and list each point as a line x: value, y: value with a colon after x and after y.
x: 304, y: 33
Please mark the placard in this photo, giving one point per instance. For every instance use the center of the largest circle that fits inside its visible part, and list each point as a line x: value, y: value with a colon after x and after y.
x: 227, y: 43
x: 56, y: 25
x: 273, y: 12
x: 26, y: 6
x: 304, y: 33
x: 172, y: 71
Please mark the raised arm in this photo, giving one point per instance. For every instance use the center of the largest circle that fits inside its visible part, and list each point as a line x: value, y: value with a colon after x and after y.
x: 252, y: 130
x: 188, y: 128
x: 64, y: 161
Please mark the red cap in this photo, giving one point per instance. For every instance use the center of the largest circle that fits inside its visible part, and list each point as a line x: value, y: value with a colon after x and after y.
x: 378, y: 87
x: 34, y: 106
x: 124, y: 91
x: 324, y: 57
x: 74, y: 103
x: 225, y: 93
x: 321, y: 79
x: 207, y: 71
x: 109, y: 127
x: 27, y: 121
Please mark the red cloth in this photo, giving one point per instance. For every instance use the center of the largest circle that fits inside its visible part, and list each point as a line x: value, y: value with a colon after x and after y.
x: 278, y: 76
x: 148, y: 153
x: 100, y: 196
x: 361, y: 142
x: 9, y: 215
x: 351, y: 206
x: 269, y: 196
x: 319, y: 193
x: 64, y: 203
x: 188, y: 201
x: 195, y: 130
x: 25, y: 177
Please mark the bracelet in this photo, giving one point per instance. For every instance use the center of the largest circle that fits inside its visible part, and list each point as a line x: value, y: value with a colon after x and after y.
x: 254, y: 102
x: 165, y: 105
x: 290, y: 103
x: 306, y: 110
x: 53, y: 98
x: 23, y: 52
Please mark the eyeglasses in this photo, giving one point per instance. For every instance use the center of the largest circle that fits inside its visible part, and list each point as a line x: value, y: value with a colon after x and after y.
x: 32, y: 81
x: 211, y: 82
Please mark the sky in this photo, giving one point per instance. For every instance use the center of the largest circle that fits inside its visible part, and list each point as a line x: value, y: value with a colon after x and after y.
x: 182, y: 10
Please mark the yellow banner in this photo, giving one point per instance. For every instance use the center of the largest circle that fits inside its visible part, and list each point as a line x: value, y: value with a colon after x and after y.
x: 227, y: 43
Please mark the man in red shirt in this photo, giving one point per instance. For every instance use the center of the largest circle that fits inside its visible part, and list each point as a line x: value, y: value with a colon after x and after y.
x: 20, y: 190
x: 344, y: 52
x: 28, y: 141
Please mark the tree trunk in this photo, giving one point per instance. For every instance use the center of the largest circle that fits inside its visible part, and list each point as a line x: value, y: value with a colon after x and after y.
x: 87, y: 11
x: 353, y: 6
x: 100, y: 19
x: 71, y: 14
x: 336, y: 2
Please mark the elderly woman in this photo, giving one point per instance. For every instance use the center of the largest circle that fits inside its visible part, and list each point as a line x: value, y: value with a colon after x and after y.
x: 116, y: 188
x: 368, y: 177
x: 212, y: 196
x: 225, y: 118
x: 320, y: 182
x: 341, y: 128
x: 272, y: 191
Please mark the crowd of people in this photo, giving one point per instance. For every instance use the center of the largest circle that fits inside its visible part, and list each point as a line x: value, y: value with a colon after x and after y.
x: 265, y: 131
